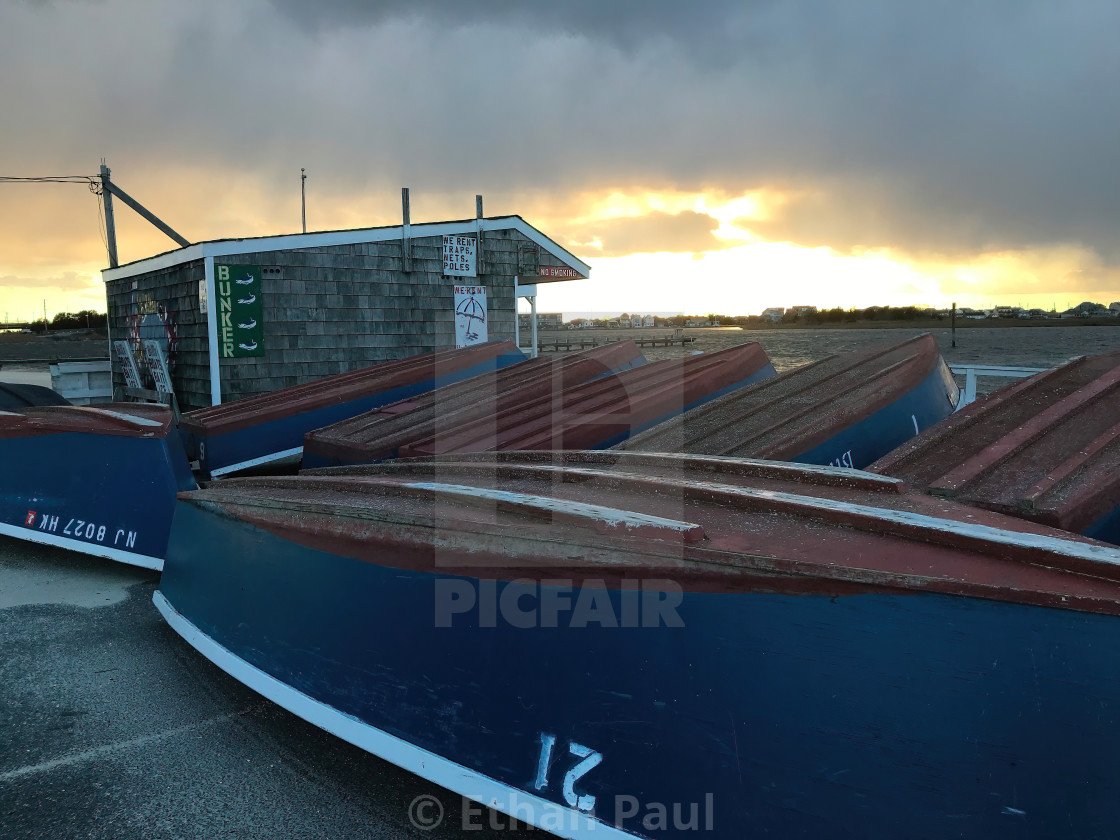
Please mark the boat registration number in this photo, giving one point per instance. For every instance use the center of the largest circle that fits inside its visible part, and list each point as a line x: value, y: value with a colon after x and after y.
x: 81, y: 529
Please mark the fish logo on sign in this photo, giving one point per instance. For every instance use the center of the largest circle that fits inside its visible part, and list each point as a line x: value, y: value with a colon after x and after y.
x: 247, y: 326
x: 250, y: 346
x: 250, y: 299
x: 247, y: 280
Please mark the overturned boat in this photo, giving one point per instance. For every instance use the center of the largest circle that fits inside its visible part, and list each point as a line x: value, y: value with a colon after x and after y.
x: 260, y: 430
x: 605, y: 411
x: 15, y: 396
x: 96, y: 479
x: 608, y: 644
x: 844, y: 410
x: 1046, y: 449
x: 380, y: 434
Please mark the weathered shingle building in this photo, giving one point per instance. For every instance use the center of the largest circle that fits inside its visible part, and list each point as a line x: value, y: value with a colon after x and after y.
x: 240, y: 317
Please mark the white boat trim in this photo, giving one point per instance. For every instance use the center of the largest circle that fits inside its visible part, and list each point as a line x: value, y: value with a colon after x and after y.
x: 256, y: 462
x: 583, y: 510
x: 34, y: 535
x: 791, y: 469
x: 131, y: 418
x: 988, y: 533
x: 556, y: 819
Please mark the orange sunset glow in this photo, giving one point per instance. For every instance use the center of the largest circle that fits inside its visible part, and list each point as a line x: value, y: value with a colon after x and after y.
x: 693, y: 173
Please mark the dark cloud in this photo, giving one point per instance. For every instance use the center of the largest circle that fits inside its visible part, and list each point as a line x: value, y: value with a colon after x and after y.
x: 931, y: 127
x: 713, y: 25
x: 650, y: 234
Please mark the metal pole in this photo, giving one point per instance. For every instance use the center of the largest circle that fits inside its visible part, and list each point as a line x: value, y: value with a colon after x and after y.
x: 46, y: 326
x: 303, y: 196
x: 533, y: 302
x: 954, y: 322
x: 406, y: 232
x: 480, y: 267
x: 516, y: 316
x: 110, y: 226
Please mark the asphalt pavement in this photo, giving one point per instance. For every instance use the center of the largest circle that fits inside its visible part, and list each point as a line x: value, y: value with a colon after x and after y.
x: 112, y: 727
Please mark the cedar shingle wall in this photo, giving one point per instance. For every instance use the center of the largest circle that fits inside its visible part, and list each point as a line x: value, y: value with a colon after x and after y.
x: 332, y: 309
x: 164, y: 306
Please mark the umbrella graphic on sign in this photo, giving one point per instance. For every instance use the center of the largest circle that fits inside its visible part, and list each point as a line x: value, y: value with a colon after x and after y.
x: 473, y: 311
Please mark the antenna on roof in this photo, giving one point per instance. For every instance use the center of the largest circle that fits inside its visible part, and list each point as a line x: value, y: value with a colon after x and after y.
x: 303, y: 196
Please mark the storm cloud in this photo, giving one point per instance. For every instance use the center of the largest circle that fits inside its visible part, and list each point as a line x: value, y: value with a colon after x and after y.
x: 652, y: 233
x: 947, y: 128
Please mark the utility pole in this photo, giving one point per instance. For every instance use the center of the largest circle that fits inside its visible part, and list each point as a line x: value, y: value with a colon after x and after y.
x: 110, y: 225
x: 303, y: 196
x: 108, y: 190
x: 46, y: 325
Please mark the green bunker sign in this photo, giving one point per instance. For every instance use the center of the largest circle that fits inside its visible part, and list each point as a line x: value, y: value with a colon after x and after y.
x: 240, y: 311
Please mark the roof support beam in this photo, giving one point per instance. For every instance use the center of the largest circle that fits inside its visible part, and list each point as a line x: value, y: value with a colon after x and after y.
x: 108, y: 190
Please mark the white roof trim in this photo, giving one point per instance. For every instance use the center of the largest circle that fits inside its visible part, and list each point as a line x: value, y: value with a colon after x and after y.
x: 234, y: 247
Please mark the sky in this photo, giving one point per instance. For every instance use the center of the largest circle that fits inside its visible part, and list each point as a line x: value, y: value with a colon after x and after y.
x: 701, y: 157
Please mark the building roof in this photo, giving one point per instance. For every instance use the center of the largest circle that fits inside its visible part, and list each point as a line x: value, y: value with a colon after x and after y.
x: 254, y: 244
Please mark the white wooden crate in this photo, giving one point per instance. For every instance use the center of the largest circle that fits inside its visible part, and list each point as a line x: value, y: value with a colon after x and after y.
x: 83, y: 383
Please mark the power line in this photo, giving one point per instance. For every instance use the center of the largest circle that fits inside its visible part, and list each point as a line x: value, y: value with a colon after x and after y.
x: 101, y: 222
x: 51, y: 179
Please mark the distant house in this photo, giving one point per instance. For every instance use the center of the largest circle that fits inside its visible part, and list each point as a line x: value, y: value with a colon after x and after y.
x: 774, y: 313
x: 804, y: 310
x: 545, y: 321
x: 1085, y: 309
x: 647, y: 321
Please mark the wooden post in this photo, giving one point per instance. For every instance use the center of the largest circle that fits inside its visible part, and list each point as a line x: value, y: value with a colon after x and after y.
x: 533, y: 303
x: 110, y: 226
x: 478, y: 230
x: 406, y: 233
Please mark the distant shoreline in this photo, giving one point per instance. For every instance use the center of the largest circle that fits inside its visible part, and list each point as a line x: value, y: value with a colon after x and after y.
x: 917, y: 323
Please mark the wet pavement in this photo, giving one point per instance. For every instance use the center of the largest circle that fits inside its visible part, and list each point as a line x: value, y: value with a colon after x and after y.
x: 112, y: 727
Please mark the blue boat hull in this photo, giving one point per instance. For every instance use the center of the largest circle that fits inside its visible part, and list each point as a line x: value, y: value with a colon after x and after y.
x: 106, y: 495
x: 1106, y: 529
x: 262, y: 443
x: 751, y: 714
x: 868, y: 440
